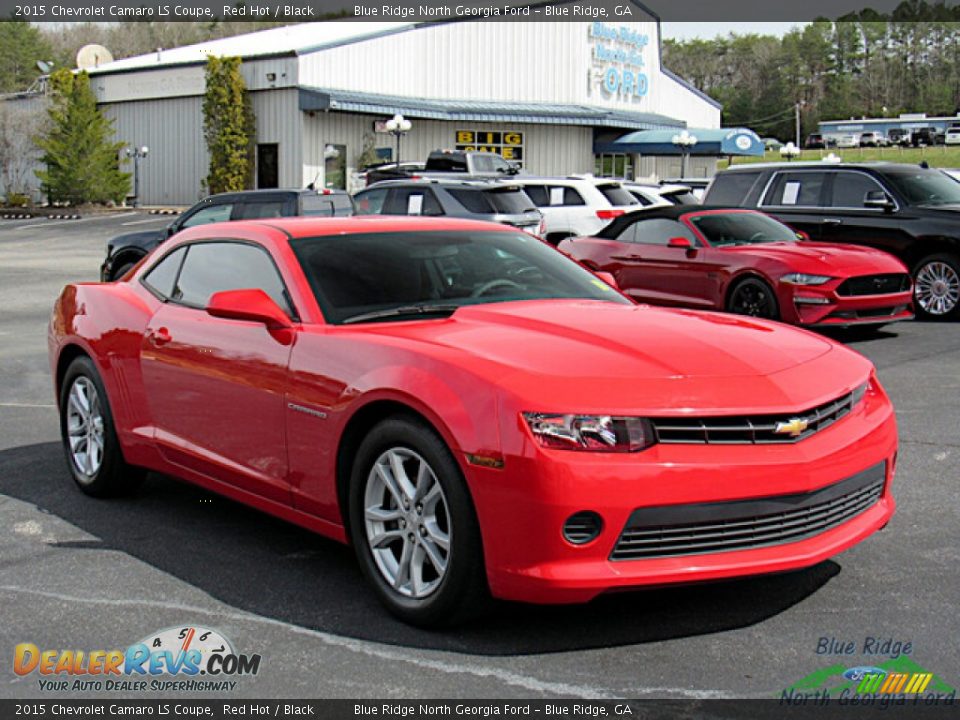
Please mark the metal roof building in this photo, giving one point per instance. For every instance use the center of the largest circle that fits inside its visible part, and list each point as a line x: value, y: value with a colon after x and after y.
x: 548, y: 95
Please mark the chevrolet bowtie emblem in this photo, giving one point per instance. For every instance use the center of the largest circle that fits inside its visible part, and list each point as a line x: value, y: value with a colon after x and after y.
x: 793, y: 427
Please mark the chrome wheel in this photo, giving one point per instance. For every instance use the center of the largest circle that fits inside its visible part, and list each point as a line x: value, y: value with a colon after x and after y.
x: 407, y: 523
x: 937, y: 288
x: 85, y: 428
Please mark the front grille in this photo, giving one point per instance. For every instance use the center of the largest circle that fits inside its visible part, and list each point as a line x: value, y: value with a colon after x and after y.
x: 673, y: 530
x: 755, y: 429
x: 874, y: 285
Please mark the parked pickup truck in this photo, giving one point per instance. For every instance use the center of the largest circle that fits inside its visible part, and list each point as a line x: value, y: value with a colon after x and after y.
x: 469, y: 162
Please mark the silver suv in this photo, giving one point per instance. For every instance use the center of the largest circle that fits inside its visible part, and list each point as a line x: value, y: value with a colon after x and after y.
x: 494, y: 201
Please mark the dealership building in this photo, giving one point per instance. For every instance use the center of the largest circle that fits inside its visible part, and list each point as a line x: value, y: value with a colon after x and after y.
x: 553, y: 96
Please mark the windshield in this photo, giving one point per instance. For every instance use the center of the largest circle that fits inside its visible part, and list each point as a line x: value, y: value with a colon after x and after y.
x: 926, y: 187
x: 372, y: 275
x: 741, y: 228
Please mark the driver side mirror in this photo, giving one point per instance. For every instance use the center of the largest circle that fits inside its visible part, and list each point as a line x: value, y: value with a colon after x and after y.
x: 802, y: 236
x: 879, y: 200
x: 253, y: 305
x: 680, y: 242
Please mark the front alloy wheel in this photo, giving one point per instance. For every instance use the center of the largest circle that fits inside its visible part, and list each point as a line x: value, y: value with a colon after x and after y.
x: 755, y: 298
x: 407, y: 523
x: 937, y: 286
x: 413, y: 525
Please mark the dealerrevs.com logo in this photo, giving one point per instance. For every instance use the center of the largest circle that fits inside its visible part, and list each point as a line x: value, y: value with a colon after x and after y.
x: 178, y: 659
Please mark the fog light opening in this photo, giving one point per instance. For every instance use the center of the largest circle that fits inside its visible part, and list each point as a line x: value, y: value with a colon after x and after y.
x: 582, y: 527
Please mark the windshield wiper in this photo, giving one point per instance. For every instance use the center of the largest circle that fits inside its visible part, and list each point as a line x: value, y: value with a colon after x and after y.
x: 401, y: 311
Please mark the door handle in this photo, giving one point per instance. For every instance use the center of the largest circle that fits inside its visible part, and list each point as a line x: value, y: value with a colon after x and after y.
x: 626, y: 257
x: 158, y: 337
x: 833, y: 222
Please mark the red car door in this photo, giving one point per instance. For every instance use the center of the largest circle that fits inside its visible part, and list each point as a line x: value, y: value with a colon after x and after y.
x: 651, y: 270
x: 216, y: 386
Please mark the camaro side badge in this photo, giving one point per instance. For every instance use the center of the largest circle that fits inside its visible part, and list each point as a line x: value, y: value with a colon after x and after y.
x: 311, y: 411
x: 793, y: 427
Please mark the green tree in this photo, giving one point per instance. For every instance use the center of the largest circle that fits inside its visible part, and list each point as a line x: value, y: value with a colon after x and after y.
x: 82, y: 161
x: 229, y: 127
x: 21, y: 46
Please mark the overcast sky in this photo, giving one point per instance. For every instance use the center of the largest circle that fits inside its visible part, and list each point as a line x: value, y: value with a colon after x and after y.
x: 687, y: 30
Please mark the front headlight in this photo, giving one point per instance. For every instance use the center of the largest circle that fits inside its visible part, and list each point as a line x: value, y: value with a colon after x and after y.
x: 598, y: 433
x: 804, y: 279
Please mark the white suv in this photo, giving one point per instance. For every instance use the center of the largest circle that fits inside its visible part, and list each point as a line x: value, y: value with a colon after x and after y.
x: 952, y: 136
x: 576, y: 205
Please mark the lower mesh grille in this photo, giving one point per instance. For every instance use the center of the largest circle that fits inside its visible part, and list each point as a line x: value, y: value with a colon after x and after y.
x: 674, y: 530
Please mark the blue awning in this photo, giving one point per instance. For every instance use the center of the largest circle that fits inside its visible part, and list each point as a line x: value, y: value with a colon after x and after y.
x: 322, y: 99
x: 711, y: 142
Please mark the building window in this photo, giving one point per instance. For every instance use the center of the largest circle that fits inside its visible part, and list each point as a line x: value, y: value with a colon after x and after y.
x: 613, y: 165
x: 335, y: 167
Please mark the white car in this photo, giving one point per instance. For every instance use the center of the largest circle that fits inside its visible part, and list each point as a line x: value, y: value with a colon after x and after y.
x: 872, y: 139
x: 952, y: 136
x: 578, y: 204
x: 661, y: 195
x: 848, y: 141
x: 952, y: 173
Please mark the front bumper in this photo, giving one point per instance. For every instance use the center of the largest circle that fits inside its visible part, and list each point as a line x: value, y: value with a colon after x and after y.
x: 821, y: 306
x: 523, y: 507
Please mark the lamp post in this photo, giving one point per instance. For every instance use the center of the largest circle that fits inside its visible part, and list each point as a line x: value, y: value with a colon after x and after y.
x: 397, y: 126
x: 685, y: 141
x: 137, y: 153
x: 789, y: 151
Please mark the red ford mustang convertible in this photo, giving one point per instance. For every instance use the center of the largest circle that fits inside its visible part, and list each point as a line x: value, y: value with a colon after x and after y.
x: 745, y: 262
x: 476, y: 413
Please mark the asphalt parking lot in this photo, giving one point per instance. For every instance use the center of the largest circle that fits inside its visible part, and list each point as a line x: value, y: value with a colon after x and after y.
x: 79, y: 573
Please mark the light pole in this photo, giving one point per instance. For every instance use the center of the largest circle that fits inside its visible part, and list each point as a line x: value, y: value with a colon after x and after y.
x: 137, y: 153
x: 397, y: 126
x: 789, y: 151
x: 685, y: 141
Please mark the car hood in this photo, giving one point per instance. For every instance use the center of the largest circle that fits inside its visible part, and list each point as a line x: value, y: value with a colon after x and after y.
x: 584, y: 354
x: 146, y: 239
x: 825, y: 258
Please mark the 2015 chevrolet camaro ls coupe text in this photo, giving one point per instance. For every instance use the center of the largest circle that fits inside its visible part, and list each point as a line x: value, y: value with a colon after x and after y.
x: 473, y: 411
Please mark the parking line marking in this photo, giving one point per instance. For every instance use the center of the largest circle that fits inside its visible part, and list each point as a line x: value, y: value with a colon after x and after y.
x: 27, y: 405
x: 74, y: 222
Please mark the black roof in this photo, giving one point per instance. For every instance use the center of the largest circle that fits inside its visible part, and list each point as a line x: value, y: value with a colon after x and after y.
x: 877, y: 166
x: 671, y: 212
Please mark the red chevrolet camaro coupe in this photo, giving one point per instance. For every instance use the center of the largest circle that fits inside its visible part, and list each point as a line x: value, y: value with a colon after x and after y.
x: 473, y: 411
x: 745, y: 262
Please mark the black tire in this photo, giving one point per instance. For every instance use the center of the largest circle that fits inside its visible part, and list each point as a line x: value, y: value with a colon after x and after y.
x: 936, y: 287
x: 122, y: 270
x: 752, y: 296
x: 461, y: 592
x: 112, y: 475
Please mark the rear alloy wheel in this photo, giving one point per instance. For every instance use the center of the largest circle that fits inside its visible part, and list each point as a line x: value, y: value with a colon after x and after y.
x: 89, y: 439
x: 413, y: 526
x: 937, y: 287
x: 755, y: 298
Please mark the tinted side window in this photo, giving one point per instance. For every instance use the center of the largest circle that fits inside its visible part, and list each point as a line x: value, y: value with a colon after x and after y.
x: 538, y: 193
x: 370, y: 202
x: 731, y: 188
x: 209, y: 214
x: 164, y: 273
x: 258, y: 210
x: 802, y: 189
x: 629, y: 233
x: 411, y: 201
x: 571, y: 196
x: 617, y: 195
x: 658, y: 231
x: 473, y: 200
x: 217, y: 266
x: 849, y: 189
